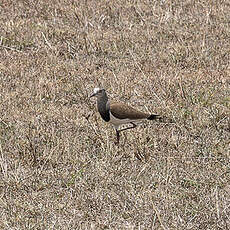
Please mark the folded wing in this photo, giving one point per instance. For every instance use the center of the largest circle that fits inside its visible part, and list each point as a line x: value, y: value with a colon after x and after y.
x: 123, y: 111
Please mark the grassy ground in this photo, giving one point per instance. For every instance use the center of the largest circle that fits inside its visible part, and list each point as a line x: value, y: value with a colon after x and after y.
x: 59, y: 166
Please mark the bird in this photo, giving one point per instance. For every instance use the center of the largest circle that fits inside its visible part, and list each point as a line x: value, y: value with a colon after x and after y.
x: 118, y: 113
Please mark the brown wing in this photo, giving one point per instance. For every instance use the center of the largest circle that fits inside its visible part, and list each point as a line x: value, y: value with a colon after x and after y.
x: 123, y: 111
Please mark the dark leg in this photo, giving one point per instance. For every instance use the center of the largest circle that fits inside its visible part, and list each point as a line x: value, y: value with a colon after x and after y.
x: 118, y: 136
x: 118, y: 131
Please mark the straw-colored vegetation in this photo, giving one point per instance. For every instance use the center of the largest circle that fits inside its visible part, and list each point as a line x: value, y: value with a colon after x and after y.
x: 59, y: 166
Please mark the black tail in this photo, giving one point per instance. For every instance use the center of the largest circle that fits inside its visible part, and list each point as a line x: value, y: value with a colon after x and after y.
x: 153, y: 117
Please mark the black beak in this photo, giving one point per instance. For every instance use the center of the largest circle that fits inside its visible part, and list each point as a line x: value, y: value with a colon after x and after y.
x: 94, y: 94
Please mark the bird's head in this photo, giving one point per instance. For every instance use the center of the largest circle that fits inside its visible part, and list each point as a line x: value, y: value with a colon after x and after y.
x: 98, y: 92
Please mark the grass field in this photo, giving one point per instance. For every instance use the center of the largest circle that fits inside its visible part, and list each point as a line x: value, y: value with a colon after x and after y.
x: 59, y: 166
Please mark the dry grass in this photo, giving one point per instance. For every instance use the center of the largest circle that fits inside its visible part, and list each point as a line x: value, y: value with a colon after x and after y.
x: 59, y: 170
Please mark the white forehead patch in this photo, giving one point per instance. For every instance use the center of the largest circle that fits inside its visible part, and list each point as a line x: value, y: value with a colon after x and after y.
x: 96, y: 90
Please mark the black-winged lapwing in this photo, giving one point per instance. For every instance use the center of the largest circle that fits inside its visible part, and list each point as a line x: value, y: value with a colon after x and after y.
x: 118, y: 113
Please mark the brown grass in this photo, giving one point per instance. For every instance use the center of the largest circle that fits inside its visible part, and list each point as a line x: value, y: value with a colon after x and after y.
x: 59, y: 166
